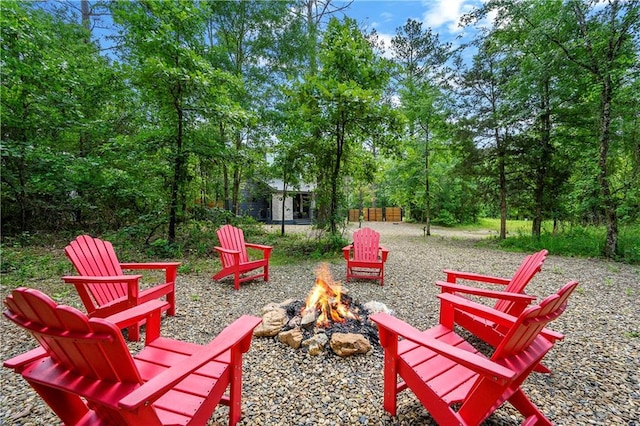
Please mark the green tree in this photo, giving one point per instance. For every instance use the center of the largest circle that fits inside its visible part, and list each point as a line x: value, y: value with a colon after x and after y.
x: 601, y: 46
x: 55, y: 116
x: 483, y: 99
x: 248, y: 40
x: 163, y: 43
x: 342, y: 103
x: 420, y: 57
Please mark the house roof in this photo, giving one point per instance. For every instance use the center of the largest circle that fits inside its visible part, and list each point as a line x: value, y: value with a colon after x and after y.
x: 277, y: 185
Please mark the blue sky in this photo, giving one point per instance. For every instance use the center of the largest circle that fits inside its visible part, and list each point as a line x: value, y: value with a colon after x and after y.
x: 442, y: 16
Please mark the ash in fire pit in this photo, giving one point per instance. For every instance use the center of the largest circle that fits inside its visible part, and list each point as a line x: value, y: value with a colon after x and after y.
x: 328, y: 315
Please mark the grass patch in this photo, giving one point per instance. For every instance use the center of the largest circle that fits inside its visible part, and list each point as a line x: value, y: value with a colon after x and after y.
x: 578, y: 241
x: 23, y: 261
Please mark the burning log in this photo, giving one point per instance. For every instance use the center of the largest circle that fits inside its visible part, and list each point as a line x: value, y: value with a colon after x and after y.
x: 328, y: 317
x: 326, y: 300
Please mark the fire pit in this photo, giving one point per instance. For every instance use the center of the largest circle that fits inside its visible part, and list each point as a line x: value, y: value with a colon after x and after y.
x: 328, y: 315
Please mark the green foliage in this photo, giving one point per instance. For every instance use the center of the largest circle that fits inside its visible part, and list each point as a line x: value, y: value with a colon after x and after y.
x: 185, y: 117
x: 580, y: 241
x: 21, y: 265
x: 296, y: 247
x: 445, y: 218
x: 341, y: 108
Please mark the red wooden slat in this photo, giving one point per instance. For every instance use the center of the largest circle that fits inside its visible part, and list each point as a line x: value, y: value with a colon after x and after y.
x: 366, y: 244
x: 232, y: 238
x: 440, y: 379
x: 530, y: 266
x: 94, y: 257
x: 89, y: 358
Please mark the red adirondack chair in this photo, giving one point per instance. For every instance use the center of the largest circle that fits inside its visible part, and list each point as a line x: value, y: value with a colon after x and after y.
x: 456, y: 383
x: 510, y: 299
x: 103, y: 287
x: 365, y: 257
x: 85, y: 373
x: 235, y: 259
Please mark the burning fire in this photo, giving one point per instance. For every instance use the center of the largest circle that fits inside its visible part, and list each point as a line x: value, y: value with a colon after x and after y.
x: 325, y: 299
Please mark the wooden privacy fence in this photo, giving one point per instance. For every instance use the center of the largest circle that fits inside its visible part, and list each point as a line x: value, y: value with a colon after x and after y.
x: 378, y: 214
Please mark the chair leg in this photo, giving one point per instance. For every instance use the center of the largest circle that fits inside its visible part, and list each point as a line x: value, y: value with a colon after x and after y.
x: 523, y: 404
x: 171, y: 298
x: 266, y: 272
x: 134, y: 332
x: 235, y: 388
x: 390, y: 388
x: 70, y: 408
x: 236, y: 280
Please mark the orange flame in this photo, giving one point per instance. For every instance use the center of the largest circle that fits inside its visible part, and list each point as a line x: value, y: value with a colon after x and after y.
x: 326, y: 298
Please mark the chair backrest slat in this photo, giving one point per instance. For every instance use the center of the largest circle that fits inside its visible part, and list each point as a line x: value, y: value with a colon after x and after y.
x: 94, y: 257
x: 366, y: 243
x: 232, y: 238
x: 532, y: 320
x: 530, y: 266
x: 91, y: 348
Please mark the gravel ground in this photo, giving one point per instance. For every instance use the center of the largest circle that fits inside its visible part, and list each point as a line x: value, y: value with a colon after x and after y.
x: 596, y: 379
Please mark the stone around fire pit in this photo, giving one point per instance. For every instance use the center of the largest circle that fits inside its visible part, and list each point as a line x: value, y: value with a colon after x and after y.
x: 291, y: 337
x: 347, y: 344
x: 272, y: 322
x: 316, y: 343
x: 352, y: 337
x: 377, y: 307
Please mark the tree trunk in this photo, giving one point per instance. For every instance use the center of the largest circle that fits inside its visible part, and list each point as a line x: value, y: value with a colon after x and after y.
x: 313, y: 37
x: 609, y: 204
x: 177, y: 167
x: 85, y: 15
x: 545, y: 154
x: 503, y: 185
x: 175, y: 186
x: 237, y: 175
x: 427, y: 193
x: 340, y: 128
x: 284, y: 204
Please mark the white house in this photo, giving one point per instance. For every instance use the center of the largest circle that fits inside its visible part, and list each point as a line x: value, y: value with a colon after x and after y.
x: 299, y: 204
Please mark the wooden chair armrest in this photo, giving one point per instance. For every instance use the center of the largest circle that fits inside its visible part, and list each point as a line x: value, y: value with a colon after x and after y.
x: 385, y: 253
x: 151, y: 265
x: 266, y: 250
x: 552, y: 336
x: 170, y: 268
x: 131, y: 280
x: 232, y: 335
x: 81, y: 279
x: 477, y: 363
x: 151, y: 311
x: 259, y: 246
x: 450, y: 302
x: 346, y: 251
x: 19, y: 362
x: 503, y: 295
x: 452, y: 276
x: 227, y: 251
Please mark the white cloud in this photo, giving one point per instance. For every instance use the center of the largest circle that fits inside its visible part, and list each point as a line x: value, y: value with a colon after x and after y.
x: 447, y: 13
x: 386, y: 16
x: 386, y: 39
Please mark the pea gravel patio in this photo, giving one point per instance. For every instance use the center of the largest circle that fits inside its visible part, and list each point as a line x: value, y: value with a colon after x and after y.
x: 596, y: 378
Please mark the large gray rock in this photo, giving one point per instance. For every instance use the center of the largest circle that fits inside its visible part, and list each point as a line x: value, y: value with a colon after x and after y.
x: 347, y: 344
x: 272, y: 323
